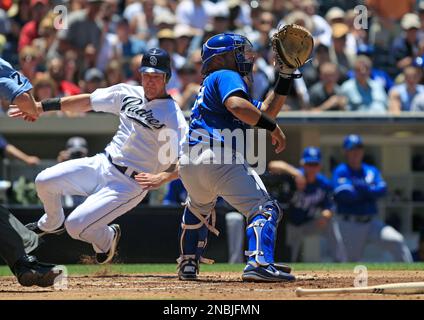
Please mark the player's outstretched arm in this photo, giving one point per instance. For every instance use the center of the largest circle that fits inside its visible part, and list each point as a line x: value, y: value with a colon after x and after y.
x: 77, y: 103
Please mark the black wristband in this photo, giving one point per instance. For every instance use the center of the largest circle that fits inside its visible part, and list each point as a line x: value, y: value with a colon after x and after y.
x: 266, y: 122
x: 52, y: 104
x: 283, y: 86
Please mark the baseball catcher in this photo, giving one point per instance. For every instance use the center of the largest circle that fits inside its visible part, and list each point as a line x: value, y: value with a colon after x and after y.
x: 224, y: 103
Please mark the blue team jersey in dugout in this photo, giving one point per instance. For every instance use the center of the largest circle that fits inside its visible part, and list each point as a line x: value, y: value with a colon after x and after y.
x: 356, y: 191
x: 305, y: 205
x: 209, y: 114
x: 12, y: 83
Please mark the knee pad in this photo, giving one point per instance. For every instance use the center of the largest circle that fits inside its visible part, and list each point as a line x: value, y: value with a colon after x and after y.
x: 193, y: 235
x: 261, y: 234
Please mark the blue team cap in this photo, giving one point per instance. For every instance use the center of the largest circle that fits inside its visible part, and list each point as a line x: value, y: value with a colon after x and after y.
x: 311, y: 155
x: 352, y: 141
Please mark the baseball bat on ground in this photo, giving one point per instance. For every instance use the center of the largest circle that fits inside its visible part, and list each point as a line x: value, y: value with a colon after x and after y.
x: 392, y: 288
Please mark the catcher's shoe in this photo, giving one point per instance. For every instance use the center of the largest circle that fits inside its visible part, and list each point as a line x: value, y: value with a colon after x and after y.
x: 30, y: 272
x: 103, y: 258
x: 188, y: 269
x: 33, y: 226
x: 269, y: 273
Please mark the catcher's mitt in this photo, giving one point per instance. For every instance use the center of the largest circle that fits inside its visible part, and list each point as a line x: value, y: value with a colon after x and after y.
x: 292, y: 46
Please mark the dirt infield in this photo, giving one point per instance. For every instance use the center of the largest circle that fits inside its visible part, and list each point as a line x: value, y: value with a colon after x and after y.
x: 226, y: 285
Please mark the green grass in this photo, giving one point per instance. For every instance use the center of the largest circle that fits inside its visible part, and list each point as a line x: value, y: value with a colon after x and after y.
x: 221, y: 267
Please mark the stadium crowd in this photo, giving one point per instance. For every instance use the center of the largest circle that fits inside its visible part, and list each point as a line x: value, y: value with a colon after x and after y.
x: 366, y: 58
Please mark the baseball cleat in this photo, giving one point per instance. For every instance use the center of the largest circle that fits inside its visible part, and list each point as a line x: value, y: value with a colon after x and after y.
x: 265, y: 274
x: 33, y: 226
x: 188, y: 269
x: 30, y: 272
x: 103, y: 258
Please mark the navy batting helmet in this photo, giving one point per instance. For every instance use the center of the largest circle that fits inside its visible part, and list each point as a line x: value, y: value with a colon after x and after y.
x: 156, y: 60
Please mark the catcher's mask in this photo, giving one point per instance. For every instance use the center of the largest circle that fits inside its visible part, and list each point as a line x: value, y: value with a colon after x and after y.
x: 156, y: 60
x: 227, y: 42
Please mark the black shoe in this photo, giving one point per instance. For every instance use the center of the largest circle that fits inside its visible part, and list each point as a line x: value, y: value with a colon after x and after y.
x: 33, y: 226
x: 188, y: 269
x: 30, y: 272
x: 269, y: 273
x: 103, y: 258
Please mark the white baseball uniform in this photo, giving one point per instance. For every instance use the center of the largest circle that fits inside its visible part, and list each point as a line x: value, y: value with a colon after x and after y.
x: 146, y: 129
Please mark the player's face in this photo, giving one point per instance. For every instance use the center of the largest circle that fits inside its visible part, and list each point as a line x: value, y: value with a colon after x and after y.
x: 311, y: 169
x: 153, y: 84
x: 354, y: 157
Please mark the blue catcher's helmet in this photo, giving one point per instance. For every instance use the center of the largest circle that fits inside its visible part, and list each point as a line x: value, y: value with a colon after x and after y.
x: 227, y: 42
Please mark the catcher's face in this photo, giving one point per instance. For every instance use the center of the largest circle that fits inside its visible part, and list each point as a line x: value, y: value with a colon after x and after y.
x: 244, y: 58
x: 153, y: 85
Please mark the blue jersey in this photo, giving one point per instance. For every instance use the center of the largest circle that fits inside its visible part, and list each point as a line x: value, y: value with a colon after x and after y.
x: 357, y: 192
x: 12, y: 83
x: 305, y: 205
x: 176, y: 193
x: 209, y: 114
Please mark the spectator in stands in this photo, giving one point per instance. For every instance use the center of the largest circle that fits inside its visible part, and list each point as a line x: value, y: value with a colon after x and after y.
x: 339, y: 52
x: 93, y: 79
x: 220, y: 18
x: 141, y: 21
x: 326, y: 95
x: 364, y: 94
x: 30, y: 30
x: 418, y: 103
x: 421, y: 15
x: 46, y: 43
x: 55, y: 68
x: 195, y: 13
x: 402, y: 95
x: 189, y: 87
x: 7, y: 149
x: 128, y: 45
x: 183, y: 35
x: 114, y: 73
x: 406, y: 45
x: 28, y: 61
x: 44, y: 87
x: 311, y: 70
x: 376, y: 74
x: 321, y: 28
x: 84, y: 32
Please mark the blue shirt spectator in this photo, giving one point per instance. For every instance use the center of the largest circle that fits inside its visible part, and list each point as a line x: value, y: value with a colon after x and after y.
x: 402, y: 95
x: 364, y: 94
